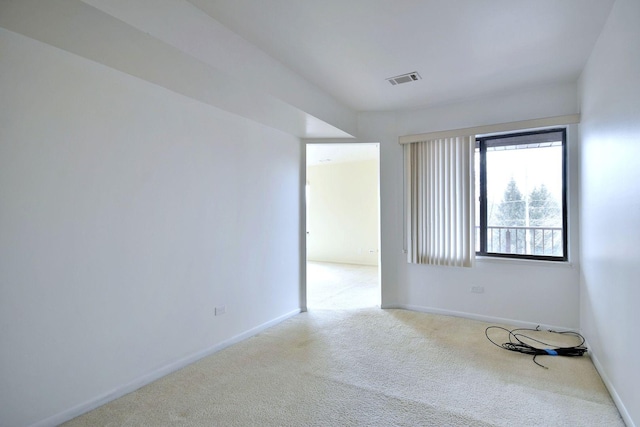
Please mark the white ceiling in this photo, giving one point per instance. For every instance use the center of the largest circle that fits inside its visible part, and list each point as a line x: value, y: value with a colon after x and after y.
x: 306, y: 67
x: 461, y: 48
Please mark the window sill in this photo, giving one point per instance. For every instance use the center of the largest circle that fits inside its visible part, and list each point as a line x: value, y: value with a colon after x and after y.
x: 482, y: 259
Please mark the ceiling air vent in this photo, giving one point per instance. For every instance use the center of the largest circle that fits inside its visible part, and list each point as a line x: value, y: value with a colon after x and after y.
x: 404, y: 78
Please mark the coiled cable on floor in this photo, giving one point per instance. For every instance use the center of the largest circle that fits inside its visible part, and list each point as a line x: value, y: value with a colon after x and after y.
x: 516, y: 343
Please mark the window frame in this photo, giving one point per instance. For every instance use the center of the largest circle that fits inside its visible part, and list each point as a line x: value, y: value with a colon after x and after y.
x: 481, y: 143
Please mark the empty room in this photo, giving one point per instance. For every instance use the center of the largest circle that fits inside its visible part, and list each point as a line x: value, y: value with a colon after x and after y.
x: 154, y: 230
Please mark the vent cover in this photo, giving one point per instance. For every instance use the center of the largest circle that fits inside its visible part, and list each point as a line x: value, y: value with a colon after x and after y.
x: 404, y: 78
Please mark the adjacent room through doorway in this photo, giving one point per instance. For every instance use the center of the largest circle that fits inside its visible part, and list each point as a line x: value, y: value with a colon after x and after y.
x: 343, y: 225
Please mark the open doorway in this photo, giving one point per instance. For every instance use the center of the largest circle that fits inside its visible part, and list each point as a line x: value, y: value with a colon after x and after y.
x: 343, y: 225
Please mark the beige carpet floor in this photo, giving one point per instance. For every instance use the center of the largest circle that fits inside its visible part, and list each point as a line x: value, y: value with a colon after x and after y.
x: 368, y: 367
x: 342, y: 286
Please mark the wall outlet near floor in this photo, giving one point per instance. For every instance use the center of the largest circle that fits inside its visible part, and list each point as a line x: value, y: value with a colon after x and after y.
x: 219, y: 311
x: 477, y: 289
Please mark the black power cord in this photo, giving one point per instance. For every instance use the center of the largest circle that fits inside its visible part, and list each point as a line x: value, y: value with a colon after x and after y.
x: 517, y: 344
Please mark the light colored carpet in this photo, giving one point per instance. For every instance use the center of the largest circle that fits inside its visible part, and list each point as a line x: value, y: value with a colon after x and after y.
x: 368, y: 367
x: 342, y: 286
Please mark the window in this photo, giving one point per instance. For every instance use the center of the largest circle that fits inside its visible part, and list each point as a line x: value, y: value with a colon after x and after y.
x: 521, y: 183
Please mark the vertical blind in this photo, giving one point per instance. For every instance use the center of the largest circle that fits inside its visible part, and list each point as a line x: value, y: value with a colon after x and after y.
x: 439, y: 197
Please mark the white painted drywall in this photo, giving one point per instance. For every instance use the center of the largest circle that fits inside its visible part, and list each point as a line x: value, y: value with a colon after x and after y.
x: 225, y: 50
x: 342, y: 212
x: 610, y: 205
x: 163, y: 42
x: 534, y: 292
x: 127, y: 213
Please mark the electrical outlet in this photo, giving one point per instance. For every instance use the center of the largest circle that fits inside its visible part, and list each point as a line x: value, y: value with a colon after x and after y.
x: 477, y: 289
x: 220, y: 310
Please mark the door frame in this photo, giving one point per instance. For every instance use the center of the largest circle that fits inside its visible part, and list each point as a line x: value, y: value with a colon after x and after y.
x: 303, y: 216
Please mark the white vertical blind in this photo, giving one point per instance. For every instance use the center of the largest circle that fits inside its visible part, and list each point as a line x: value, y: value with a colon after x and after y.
x: 439, y: 197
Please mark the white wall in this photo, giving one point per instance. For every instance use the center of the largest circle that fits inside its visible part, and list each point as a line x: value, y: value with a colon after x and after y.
x: 163, y: 41
x: 342, y: 215
x: 228, y: 52
x: 518, y: 291
x: 128, y: 212
x: 610, y: 205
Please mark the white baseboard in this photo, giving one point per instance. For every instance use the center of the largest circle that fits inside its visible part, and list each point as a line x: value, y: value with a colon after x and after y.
x: 344, y: 261
x: 155, y: 375
x: 473, y: 316
x: 612, y: 390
